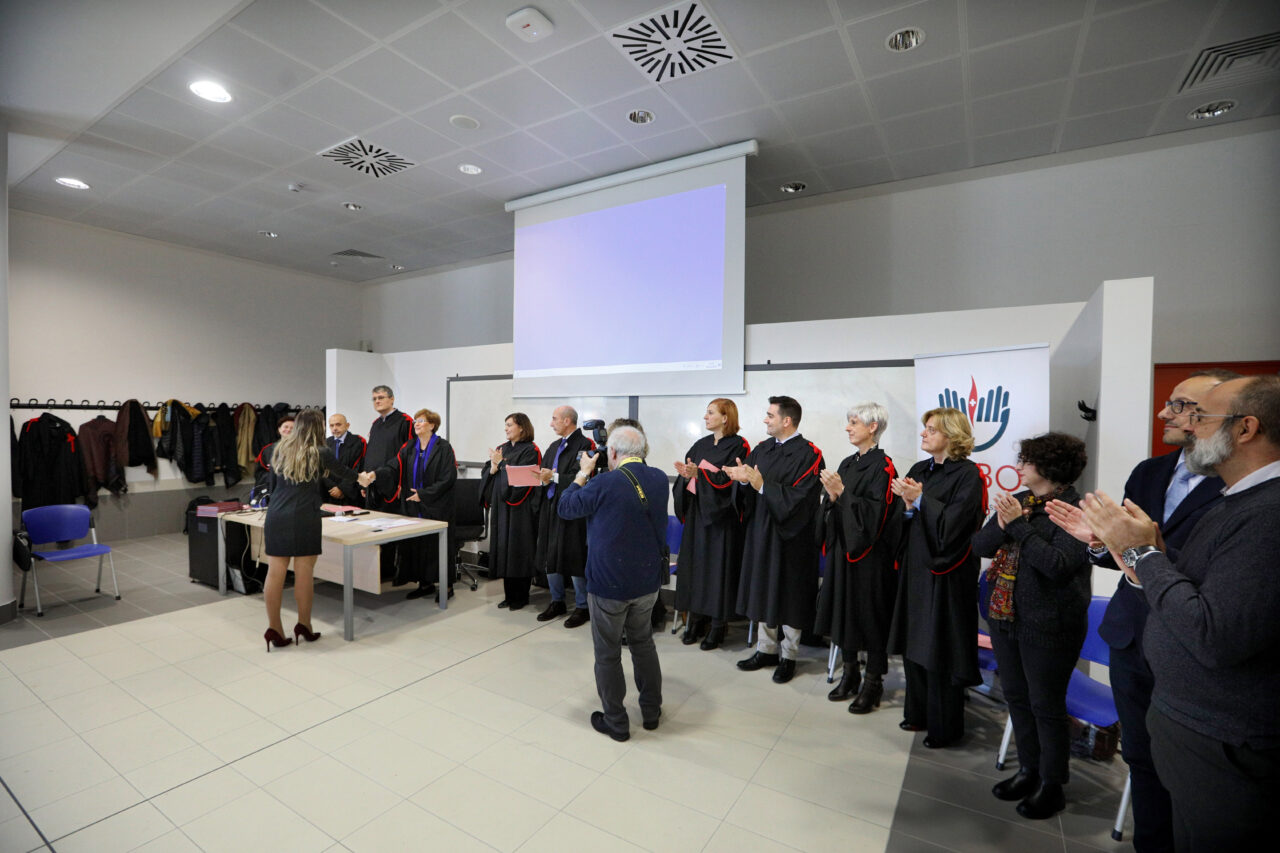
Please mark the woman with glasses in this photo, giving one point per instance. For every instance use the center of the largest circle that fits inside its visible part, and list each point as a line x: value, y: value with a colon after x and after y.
x: 1037, y: 603
x: 513, y: 523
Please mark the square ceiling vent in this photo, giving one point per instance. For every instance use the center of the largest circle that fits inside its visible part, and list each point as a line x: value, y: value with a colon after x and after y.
x: 1244, y: 61
x: 367, y: 158
x: 680, y: 41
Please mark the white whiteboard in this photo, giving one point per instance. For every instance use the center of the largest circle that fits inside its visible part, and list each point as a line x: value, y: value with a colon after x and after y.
x: 672, y: 424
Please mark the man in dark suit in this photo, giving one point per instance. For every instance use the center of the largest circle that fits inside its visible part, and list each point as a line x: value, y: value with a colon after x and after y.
x: 1176, y: 498
x: 349, y: 450
x: 562, y: 545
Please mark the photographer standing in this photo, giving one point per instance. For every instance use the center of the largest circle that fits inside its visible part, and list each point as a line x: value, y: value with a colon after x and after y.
x: 626, y: 515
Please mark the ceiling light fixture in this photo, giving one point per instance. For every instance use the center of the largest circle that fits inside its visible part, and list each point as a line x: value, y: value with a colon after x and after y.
x: 396, y: 267
x: 794, y: 187
x: 640, y: 117
x: 905, y: 39
x: 72, y: 183
x: 269, y: 234
x: 1213, y: 109
x: 211, y: 91
x: 463, y: 122
x: 351, y: 205
x: 469, y: 169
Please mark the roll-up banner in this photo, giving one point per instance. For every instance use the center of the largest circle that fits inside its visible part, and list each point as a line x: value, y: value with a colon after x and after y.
x: 1003, y: 392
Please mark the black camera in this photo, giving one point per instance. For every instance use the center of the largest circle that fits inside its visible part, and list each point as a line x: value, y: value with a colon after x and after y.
x: 598, y: 432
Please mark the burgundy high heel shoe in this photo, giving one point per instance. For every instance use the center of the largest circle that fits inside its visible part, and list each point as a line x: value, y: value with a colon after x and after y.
x: 274, y: 638
x: 306, y: 633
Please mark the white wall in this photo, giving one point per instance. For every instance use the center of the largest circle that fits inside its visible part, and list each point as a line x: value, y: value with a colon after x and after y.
x: 455, y: 307
x: 96, y: 314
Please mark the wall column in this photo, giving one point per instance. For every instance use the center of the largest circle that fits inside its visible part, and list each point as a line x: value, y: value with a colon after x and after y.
x: 8, y: 605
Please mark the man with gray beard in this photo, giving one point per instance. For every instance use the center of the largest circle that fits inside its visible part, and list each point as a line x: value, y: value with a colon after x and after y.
x: 1213, y: 636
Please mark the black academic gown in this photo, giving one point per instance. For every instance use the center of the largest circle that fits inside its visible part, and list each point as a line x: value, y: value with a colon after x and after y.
x: 420, y: 558
x: 862, y: 532
x: 935, y: 619
x: 779, y: 584
x: 350, y: 455
x: 562, y: 543
x: 387, y: 435
x: 710, y: 557
x: 513, y: 521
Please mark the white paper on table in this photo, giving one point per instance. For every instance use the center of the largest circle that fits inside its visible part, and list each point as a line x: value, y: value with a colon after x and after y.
x: 387, y: 523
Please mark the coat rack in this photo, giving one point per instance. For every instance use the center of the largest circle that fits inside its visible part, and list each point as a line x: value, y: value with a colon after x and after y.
x: 103, y: 405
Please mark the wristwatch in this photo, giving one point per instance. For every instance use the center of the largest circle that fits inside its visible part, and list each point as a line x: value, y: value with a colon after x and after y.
x: 1131, y: 556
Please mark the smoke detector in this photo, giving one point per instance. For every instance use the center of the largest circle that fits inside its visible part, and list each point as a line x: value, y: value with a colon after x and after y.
x: 530, y: 24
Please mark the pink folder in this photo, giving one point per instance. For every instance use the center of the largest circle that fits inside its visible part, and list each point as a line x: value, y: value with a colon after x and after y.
x: 523, y: 475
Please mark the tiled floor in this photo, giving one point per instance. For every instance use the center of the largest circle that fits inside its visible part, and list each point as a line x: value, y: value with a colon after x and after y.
x: 460, y: 731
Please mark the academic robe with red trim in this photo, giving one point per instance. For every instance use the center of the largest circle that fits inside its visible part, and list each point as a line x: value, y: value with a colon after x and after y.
x: 51, y: 465
x: 387, y: 435
x: 935, y: 618
x: 710, y: 558
x: 862, y: 531
x: 562, y: 542
x: 513, y: 519
x: 780, y: 552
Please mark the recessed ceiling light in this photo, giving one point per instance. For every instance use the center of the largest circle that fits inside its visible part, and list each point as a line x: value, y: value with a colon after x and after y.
x: 469, y: 169
x: 640, y: 116
x: 73, y: 183
x: 396, y: 267
x: 794, y: 187
x: 1213, y: 109
x: 211, y: 91
x: 905, y: 39
x: 269, y: 234
x: 351, y: 205
x: 464, y: 122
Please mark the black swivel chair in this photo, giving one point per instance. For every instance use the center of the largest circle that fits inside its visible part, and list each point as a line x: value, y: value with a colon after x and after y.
x: 470, y: 522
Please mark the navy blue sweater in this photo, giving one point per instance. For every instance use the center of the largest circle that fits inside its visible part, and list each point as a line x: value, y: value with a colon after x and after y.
x: 624, y: 540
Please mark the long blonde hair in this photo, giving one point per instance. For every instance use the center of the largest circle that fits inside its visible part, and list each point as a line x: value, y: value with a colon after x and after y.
x: 296, y: 457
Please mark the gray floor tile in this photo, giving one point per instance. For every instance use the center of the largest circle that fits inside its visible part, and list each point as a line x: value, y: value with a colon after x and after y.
x: 966, y: 790
x: 900, y: 842
x: 950, y: 825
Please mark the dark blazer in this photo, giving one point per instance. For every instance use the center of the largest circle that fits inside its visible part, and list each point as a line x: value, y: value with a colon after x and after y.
x: 350, y: 456
x: 1126, y: 615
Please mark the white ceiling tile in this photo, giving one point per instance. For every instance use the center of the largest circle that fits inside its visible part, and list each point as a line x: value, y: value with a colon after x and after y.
x: 1024, y: 108
x: 715, y: 92
x: 490, y: 16
x: 1160, y: 28
x: 1241, y: 19
x: 159, y: 196
x: 813, y: 63
x: 925, y: 130
x: 1014, y: 145
x: 762, y: 125
x: 611, y: 13
x: 1022, y: 63
x: 938, y: 18
x: 825, y: 111
x: 1110, y: 127
x: 383, y: 18
x: 814, y: 184
x: 454, y: 51
x: 916, y: 89
x: 230, y: 52
x: 129, y: 131
x: 861, y: 174
x: 197, y: 178
x: 393, y: 80
x: 1249, y: 99
x: 317, y: 172
x: 108, y: 151
x: 410, y: 139
x: 247, y: 142
x: 931, y: 161
x: 557, y: 175
x: 612, y: 160
x: 104, y: 178
x: 340, y: 105
x: 752, y: 25
x: 575, y: 134
x: 997, y: 20
x: 238, y: 169
x: 843, y: 146
x: 160, y: 110
x: 284, y: 122
x: 436, y: 117
x: 303, y: 30
x: 613, y: 114
x: 38, y: 199
x: 518, y: 152
x: 591, y: 72
x: 1135, y: 84
x: 522, y: 97
x: 513, y: 186
x: 677, y: 143
x: 779, y: 160
x: 175, y: 82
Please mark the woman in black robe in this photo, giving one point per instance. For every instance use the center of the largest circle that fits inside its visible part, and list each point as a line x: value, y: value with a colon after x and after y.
x: 513, y: 523
x: 862, y: 529
x: 425, y: 471
x: 935, y: 618
x: 710, y: 556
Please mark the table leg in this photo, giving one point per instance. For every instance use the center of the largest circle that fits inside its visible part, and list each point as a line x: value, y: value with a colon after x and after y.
x: 222, y: 557
x: 348, y: 593
x: 442, y: 588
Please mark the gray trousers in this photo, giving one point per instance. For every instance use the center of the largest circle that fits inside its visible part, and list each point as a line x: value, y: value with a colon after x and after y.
x: 609, y: 618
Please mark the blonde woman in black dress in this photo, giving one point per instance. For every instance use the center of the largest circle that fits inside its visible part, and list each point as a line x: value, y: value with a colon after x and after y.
x: 299, y: 464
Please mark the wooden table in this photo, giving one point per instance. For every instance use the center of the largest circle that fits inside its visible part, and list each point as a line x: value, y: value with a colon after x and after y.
x: 350, y: 535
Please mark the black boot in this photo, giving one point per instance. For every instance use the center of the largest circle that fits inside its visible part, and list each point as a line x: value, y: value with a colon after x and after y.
x: 693, y: 630
x: 850, y: 680
x: 869, y: 696
x: 1018, y: 786
x: 1046, y: 802
x: 713, y: 639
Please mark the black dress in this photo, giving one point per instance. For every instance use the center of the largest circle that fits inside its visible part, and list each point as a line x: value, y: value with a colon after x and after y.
x: 292, y: 527
x: 513, y: 524
x: 710, y: 557
x: 862, y: 529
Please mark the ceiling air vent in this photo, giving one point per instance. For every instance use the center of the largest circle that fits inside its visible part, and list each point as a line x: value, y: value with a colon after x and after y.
x: 367, y: 158
x: 1243, y: 61
x: 675, y: 43
x: 356, y: 254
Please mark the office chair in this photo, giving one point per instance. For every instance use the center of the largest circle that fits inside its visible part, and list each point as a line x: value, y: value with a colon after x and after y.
x: 470, y: 523
x: 63, y: 523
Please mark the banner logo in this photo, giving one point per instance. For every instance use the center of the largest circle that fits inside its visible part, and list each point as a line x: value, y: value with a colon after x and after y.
x: 991, y: 408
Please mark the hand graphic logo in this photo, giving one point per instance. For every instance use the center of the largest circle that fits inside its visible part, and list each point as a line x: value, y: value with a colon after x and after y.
x: 993, y: 408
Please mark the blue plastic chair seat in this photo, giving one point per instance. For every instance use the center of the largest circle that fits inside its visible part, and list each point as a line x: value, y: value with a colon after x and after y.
x: 63, y: 523
x: 89, y: 550
x: 1090, y: 700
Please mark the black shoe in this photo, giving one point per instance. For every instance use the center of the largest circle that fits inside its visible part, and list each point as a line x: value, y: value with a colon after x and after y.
x: 650, y: 725
x: 598, y: 723
x: 784, y: 671
x: 910, y: 727
x: 931, y: 742
x: 869, y: 696
x: 422, y: 591
x: 1046, y: 802
x: 521, y: 606
x: 1018, y: 786
x: 554, y: 609
x: 713, y: 639
x: 579, y: 616
x: 693, y: 631
x: 503, y: 604
x: 759, y: 660
x: 850, y: 681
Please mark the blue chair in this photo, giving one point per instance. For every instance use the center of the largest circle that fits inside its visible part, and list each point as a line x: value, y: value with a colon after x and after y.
x: 675, y: 531
x: 63, y: 523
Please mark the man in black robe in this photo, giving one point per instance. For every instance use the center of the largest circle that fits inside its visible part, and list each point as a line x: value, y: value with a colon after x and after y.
x: 779, y: 583
x: 387, y: 435
x: 562, y: 543
x: 348, y: 448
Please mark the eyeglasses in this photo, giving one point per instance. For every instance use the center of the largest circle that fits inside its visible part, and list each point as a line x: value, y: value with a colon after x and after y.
x: 1197, y: 418
x: 1177, y: 406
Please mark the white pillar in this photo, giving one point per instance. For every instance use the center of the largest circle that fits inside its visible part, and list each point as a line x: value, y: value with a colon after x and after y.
x: 8, y: 605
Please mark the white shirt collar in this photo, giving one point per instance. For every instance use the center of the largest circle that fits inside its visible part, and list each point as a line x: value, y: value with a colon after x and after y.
x: 1254, y: 478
